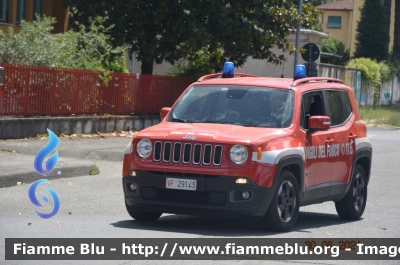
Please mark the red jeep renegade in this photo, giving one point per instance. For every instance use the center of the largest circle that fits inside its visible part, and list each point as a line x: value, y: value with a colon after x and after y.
x: 251, y: 146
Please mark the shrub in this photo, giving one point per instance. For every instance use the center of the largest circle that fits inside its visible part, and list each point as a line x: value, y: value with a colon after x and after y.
x: 88, y: 48
x: 375, y: 73
x: 33, y: 45
x: 336, y: 47
x: 202, y: 63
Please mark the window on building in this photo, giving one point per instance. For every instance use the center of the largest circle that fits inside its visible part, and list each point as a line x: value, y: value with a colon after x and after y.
x: 20, y: 11
x: 334, y: 22
x: 37, y: 8
x: 3, y: 10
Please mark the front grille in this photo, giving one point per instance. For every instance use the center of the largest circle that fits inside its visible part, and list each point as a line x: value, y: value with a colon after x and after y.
x: 184, y: 196
x: 188, y: 153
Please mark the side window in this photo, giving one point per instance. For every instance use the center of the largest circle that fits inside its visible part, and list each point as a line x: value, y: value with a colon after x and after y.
x: 312, y: 105
x: 20, y: 11
x: 336, y: 108
x: 334, y: 22
x: 4, y: 11
x: 37, y: 8
x: 347, y: 103
x: 302, y: 117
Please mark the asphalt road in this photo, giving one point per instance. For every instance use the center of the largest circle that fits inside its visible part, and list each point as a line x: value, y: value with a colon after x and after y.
x: 93, y: 206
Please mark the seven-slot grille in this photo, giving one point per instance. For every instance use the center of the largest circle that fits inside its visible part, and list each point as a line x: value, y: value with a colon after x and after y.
x: 188, y: 153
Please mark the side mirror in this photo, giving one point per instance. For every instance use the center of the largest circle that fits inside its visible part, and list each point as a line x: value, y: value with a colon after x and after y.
x: 164, y: 112
x: 319, y: 123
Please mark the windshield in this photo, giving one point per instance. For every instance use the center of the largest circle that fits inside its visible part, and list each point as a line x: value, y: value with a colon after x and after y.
x: 240, y: 105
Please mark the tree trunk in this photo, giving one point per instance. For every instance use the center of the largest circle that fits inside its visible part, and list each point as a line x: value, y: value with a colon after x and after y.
x: 396, y: 44
x: 147, y: 67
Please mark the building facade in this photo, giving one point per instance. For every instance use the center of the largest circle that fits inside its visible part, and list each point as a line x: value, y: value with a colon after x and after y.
x: 340, y: 20
x: 12, y: 12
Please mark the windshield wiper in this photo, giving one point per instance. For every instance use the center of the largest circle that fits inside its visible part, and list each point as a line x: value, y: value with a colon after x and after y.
x: 234, y: 123
x: 179, y: 120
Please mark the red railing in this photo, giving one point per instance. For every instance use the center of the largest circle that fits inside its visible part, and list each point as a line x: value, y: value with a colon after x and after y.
x: 40, y: 91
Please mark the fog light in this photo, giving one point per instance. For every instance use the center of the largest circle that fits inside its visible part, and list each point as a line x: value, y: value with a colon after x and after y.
x: 133, y: 187
x: 241, y: 181
x: 133, y: 173
x: 245, y: 195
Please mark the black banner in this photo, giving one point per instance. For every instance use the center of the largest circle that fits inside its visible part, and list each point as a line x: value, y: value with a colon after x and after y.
x: 202, y: 249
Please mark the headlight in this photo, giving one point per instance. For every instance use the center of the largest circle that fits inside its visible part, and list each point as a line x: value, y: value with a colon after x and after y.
x: 143, y: 148
x: 238, y: 154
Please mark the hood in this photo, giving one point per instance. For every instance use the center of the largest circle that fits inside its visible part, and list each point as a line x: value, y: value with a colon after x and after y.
x: 207, y: 132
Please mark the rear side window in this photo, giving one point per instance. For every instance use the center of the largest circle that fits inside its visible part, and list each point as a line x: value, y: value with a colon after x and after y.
x: 338, y: 112
x: 347, y: 103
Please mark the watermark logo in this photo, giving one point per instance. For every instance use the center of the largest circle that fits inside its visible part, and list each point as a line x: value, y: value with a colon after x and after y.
x: 45, y: 151
x: 38, y: 166
x: 35, y: 201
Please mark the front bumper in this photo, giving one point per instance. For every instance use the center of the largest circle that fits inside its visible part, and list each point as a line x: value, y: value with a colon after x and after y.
x: 215, y: 195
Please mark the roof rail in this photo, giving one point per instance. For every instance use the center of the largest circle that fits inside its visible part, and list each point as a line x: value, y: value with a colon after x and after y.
x: 205, y: 77
x: 317, y: 79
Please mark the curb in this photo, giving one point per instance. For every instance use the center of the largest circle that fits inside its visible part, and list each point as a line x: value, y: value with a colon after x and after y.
x: 31, y: 176
x: 17, y: 128
x: 383, y: 126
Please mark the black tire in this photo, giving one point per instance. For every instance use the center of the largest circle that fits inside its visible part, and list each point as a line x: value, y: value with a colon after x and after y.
x: 283, y: 211
x: 352, y: 206
x: 141, y: 215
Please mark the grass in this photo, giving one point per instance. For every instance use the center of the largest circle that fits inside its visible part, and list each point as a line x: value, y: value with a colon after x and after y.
x: 8, y: 151
x: 380, y: 115
x: 39, y: 136
x: 94, y: 170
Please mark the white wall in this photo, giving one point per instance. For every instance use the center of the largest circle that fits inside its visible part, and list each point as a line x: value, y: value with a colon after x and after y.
x: 390, y: 92
x: 255, y: 66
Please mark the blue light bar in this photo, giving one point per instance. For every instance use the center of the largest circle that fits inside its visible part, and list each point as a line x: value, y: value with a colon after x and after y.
x: 229, y: 70
x: 299, y: 72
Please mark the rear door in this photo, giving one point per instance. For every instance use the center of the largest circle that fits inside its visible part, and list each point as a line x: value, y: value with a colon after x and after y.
x: 341, y: 151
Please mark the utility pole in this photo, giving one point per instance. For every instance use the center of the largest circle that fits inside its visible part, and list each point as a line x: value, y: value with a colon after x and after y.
x: 296, y: 55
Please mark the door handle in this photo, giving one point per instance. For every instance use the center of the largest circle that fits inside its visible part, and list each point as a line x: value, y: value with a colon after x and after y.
x: 352, y: 136
x: 329, y: 141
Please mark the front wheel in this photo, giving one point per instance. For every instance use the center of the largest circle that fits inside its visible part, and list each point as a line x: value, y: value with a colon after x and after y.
x: 142, y: 215
x: 284, y: 208
x: 352, y: 206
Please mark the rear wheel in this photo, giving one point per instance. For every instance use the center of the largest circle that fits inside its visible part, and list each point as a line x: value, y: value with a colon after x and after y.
x: 284, y: 208
x: 142, y: 215
x: 352, y: 206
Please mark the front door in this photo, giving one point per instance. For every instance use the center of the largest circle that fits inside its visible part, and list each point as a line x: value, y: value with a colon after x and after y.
x: 318, y: 170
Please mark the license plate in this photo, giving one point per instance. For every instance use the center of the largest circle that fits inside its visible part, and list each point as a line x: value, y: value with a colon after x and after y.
x: 181, y: 184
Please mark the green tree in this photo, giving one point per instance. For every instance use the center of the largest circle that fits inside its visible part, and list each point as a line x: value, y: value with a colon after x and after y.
x: 396, y: 45
x: 314, y: 2
x: 91, y: 48
x: 169, y: 30
x: 372, y: 34
x: 335, y: 47
x: 200, y: 64
x: 387, y: 4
